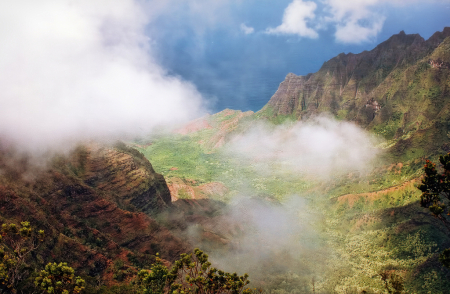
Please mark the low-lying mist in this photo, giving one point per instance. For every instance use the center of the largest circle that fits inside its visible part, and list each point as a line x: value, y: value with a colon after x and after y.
x: 83, y: 70
x: 321, y: 147
x: 271, y: 241
x: 280, y: 240
x: 274, y: 235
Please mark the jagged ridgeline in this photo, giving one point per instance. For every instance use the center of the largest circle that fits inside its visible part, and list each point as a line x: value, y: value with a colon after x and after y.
x: 399, y: 90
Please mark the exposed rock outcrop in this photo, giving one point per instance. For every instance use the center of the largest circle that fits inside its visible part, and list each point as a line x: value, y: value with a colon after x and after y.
x: 94, y: 205
x: 128, y: 174
x: 286, y: 99
x: 344, y: 83
x: 187, y: 189
x: 398, y: 90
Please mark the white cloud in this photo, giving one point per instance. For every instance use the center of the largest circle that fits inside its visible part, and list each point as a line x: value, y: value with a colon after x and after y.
x: 321, y: 147
x: 72, y: 70
x: 295, y: 20
x: 247, y: 30
x: 353, y: 32
x: 341, y: 9
x: 356, y: 21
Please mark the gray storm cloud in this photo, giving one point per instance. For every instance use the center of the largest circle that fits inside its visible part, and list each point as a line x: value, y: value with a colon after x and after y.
x: 81, y: 70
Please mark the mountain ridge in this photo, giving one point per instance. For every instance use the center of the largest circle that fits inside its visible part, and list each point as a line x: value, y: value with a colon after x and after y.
x: 349, y: 71
x: 96, y: 206
x: 391, y: 90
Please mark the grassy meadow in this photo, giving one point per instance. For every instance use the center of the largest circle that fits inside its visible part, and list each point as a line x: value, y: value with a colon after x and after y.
x: 368, y: 224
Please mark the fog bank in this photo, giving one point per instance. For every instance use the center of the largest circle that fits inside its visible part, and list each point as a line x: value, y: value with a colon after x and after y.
x: 81, y: 70
x: 319, y: 147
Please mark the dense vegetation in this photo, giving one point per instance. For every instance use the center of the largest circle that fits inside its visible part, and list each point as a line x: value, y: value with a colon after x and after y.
x: 372, y: 227
x: 19, y: 273
x: 107, y: 212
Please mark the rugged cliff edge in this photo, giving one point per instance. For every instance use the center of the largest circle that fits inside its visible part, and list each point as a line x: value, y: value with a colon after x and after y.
x: 95, y: 206
x: 346, y: 82
x: 399, y: 90
x: 123, y: 172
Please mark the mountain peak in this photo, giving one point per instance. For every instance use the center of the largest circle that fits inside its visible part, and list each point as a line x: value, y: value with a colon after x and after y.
x: 290, y: 75
x: 438, y: 37
x: 345, y: 83
x: 400, y: 40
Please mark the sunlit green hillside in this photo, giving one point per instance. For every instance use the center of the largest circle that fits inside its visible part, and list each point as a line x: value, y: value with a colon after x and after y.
x: 371, y: 223
x: 368, y: 223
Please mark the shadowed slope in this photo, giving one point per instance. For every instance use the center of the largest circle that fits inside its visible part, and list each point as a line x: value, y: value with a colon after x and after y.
x: 94, y: 207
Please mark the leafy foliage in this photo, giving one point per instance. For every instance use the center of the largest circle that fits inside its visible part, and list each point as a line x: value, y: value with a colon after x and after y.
x: 191, y: 274
x: 17, y: 242
x: 434, y: 186
x: 154, y: 281
x: 392, y: 282
x: 59, y: 279
x: 444, y: 258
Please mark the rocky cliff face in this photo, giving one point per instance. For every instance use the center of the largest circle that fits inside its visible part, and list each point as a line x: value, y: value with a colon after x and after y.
x: 399, y: 90
x: 346, y: 82
x: 288, y: 99
x: 95, y: 206
x: 124, y: 172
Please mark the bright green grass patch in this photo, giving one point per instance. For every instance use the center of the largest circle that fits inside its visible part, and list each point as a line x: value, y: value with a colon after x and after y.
x: 183, y: 157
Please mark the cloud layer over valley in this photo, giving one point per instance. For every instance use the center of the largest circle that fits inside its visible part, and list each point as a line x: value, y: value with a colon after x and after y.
x: 320, y: 147
x: 80, y: 70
